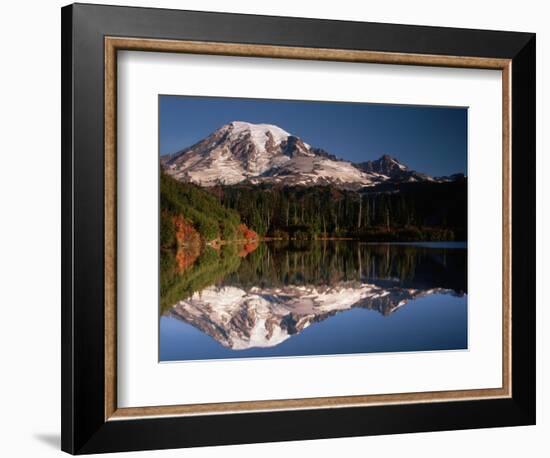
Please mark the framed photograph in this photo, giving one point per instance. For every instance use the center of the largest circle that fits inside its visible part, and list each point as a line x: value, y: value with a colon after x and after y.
x: 281, y: 229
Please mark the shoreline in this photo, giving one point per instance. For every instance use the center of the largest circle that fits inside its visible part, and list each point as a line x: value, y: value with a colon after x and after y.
x: 218, y: 243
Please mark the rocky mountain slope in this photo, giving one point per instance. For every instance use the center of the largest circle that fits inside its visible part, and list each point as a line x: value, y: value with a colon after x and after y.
x: 242, y: 152
x: 393, y: 169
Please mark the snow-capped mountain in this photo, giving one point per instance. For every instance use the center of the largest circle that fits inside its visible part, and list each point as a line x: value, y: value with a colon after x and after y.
x: 241, y: 318
x: 232, y: 154
x: 242, y: 152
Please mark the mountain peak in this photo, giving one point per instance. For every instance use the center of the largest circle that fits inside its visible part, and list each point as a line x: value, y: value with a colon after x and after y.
x: 259, y: 132
x: 385, y: 165
x: 386, y: 158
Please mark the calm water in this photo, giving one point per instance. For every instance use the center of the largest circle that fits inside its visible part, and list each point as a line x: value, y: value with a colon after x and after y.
x: 313, y: 298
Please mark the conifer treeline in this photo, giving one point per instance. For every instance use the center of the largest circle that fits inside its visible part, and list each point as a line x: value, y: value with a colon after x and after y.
x: 418, y: 211
x: 412, y: 212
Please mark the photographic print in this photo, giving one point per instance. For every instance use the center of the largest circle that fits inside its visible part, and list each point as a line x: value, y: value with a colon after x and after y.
x: 308, y: 228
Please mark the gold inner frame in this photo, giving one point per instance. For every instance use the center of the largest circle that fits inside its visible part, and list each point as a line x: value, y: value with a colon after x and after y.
x: 114, y: 44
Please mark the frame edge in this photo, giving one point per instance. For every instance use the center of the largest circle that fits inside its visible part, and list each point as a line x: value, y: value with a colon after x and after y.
x: 67, y: 369
x: 523, y: 138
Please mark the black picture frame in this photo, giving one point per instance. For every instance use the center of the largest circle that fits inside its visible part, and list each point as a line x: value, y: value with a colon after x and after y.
x: 84, y: 428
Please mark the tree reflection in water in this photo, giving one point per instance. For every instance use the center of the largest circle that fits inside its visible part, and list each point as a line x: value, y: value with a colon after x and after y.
x: 246, y: 297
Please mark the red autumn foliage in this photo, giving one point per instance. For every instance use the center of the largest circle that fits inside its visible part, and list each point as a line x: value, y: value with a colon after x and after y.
x: 185, y: 232
x: 248, y: 248
x: 251, y: 238
x: 188, y: 240
x: 247, y: 233
x: 185, y: 257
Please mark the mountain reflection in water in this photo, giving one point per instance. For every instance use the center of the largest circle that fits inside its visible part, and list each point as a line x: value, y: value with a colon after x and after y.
x: 268, y: 301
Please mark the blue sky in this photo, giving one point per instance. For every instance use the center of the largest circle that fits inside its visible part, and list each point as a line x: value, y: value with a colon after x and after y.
x: 428, y: 139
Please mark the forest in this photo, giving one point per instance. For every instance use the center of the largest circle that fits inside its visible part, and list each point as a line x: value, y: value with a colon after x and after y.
x: 407, y: 212
x: 182, y: 203
x: 422, y: 211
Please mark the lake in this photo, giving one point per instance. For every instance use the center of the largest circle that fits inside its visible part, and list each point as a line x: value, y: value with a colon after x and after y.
x: 302, y: 298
